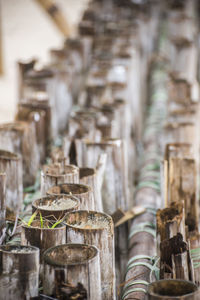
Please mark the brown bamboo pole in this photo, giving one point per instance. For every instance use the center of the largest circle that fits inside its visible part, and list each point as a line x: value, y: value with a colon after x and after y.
x: 78, y: 266
x: 2, y: 204
x: 82, y: 192
x: 56, y: 15
x: 115, y: 184
x: 172, y: 289
x: 43, y: 237
x: 38, y: 103
x: 88, y: 176
x: 55, y: 207
x: 56, y: 174
x: 11, y: 164
x: 20, y: 138
x: 19, y: 272
x: 175, y: 259
x: 170, y: 221
x: 96, y: 228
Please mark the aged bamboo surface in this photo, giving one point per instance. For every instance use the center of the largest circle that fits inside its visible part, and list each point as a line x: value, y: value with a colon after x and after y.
x: 19, y: 278
x: 96, y: 228
x: 72, y: 271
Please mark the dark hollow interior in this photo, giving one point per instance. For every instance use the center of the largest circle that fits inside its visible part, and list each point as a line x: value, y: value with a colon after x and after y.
x: 172, y: 288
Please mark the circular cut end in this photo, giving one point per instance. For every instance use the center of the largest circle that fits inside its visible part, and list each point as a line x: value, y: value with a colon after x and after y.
x: 8, y: 155
x: 70, y: 254
x: 57, y: 170
x: 68, y: 189
x: 55, y: 203
x: 19, y: 249
x: 89, y: 220
x: 172, y: 288
x: 85, y: 172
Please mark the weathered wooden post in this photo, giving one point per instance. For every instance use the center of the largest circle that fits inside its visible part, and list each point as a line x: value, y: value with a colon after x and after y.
x: 55, y: 207
x: 56, y: 174
x: 43, y: 235
x: 20, y: 138
x: 115, y: 177
x: 96, y: 229
x: 11, y: 164
x: 88, y: 176
x: 2, y: 204
x: 82, y: 192
x: 172, y: 289
x: 72, y: 271
x: 19, y: 275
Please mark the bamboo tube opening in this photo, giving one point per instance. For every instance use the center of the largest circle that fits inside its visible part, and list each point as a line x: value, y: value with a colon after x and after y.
x: 85, y: 172
x: 69, y: 188
x: 88, y: 220
x: 58, y: 170
x: 70, y: 254
x: 55, y: 206
x: 19, y: 249
x: 8, y: 155
x: 173, y: 288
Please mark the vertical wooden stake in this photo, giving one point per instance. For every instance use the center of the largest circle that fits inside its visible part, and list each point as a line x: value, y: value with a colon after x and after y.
x: 72, y: 271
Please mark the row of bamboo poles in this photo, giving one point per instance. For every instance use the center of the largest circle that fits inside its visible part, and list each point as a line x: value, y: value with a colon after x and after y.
x: 82, y: 119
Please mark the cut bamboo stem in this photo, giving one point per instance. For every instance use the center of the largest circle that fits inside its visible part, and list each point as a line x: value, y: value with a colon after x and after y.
x: 96, y: 228
x: 11, y: 164
x: 55, y: 207
x: 43, y: 238
x: 19, y: 272
x: 72, y: 271
x: 56, y: 174
x: 2, y: 204
x: 88, y: 176
x: 82, y: 192
x: 172, y: 289
x: 20, y: 138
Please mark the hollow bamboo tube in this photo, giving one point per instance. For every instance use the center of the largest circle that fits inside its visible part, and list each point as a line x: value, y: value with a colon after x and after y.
x: 175, y: 259
x: 172, y: 289
x: 55, y: 207
x: 11, y: 164
x: 20, y: 138
x: 82, y: 192
x: 19, y: 272
x: 2, y: 204
x: 56, y: 174
x: 88, y: 176
x: 71, y: 271
x: 96, y: 229
x: 170, y: 221
x: 115, y: 184
x: 38, y: 117
x: 195, y: 255
x: 43, y: 238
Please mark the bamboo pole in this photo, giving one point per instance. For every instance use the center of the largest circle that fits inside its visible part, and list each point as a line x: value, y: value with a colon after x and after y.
x: 20, y: 138
x: 55, y: 207
x: 43, y: 237
x: 56, y: 174
x: 82, y: 192
x: 78, y: 266
x: 2, y: 204
x: 96, y: 228
x: 56, y: 15
x: 19, y: 272
x: 11, y: 164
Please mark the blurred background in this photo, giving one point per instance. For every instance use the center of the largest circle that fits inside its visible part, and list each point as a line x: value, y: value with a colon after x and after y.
x: 28, y: 31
